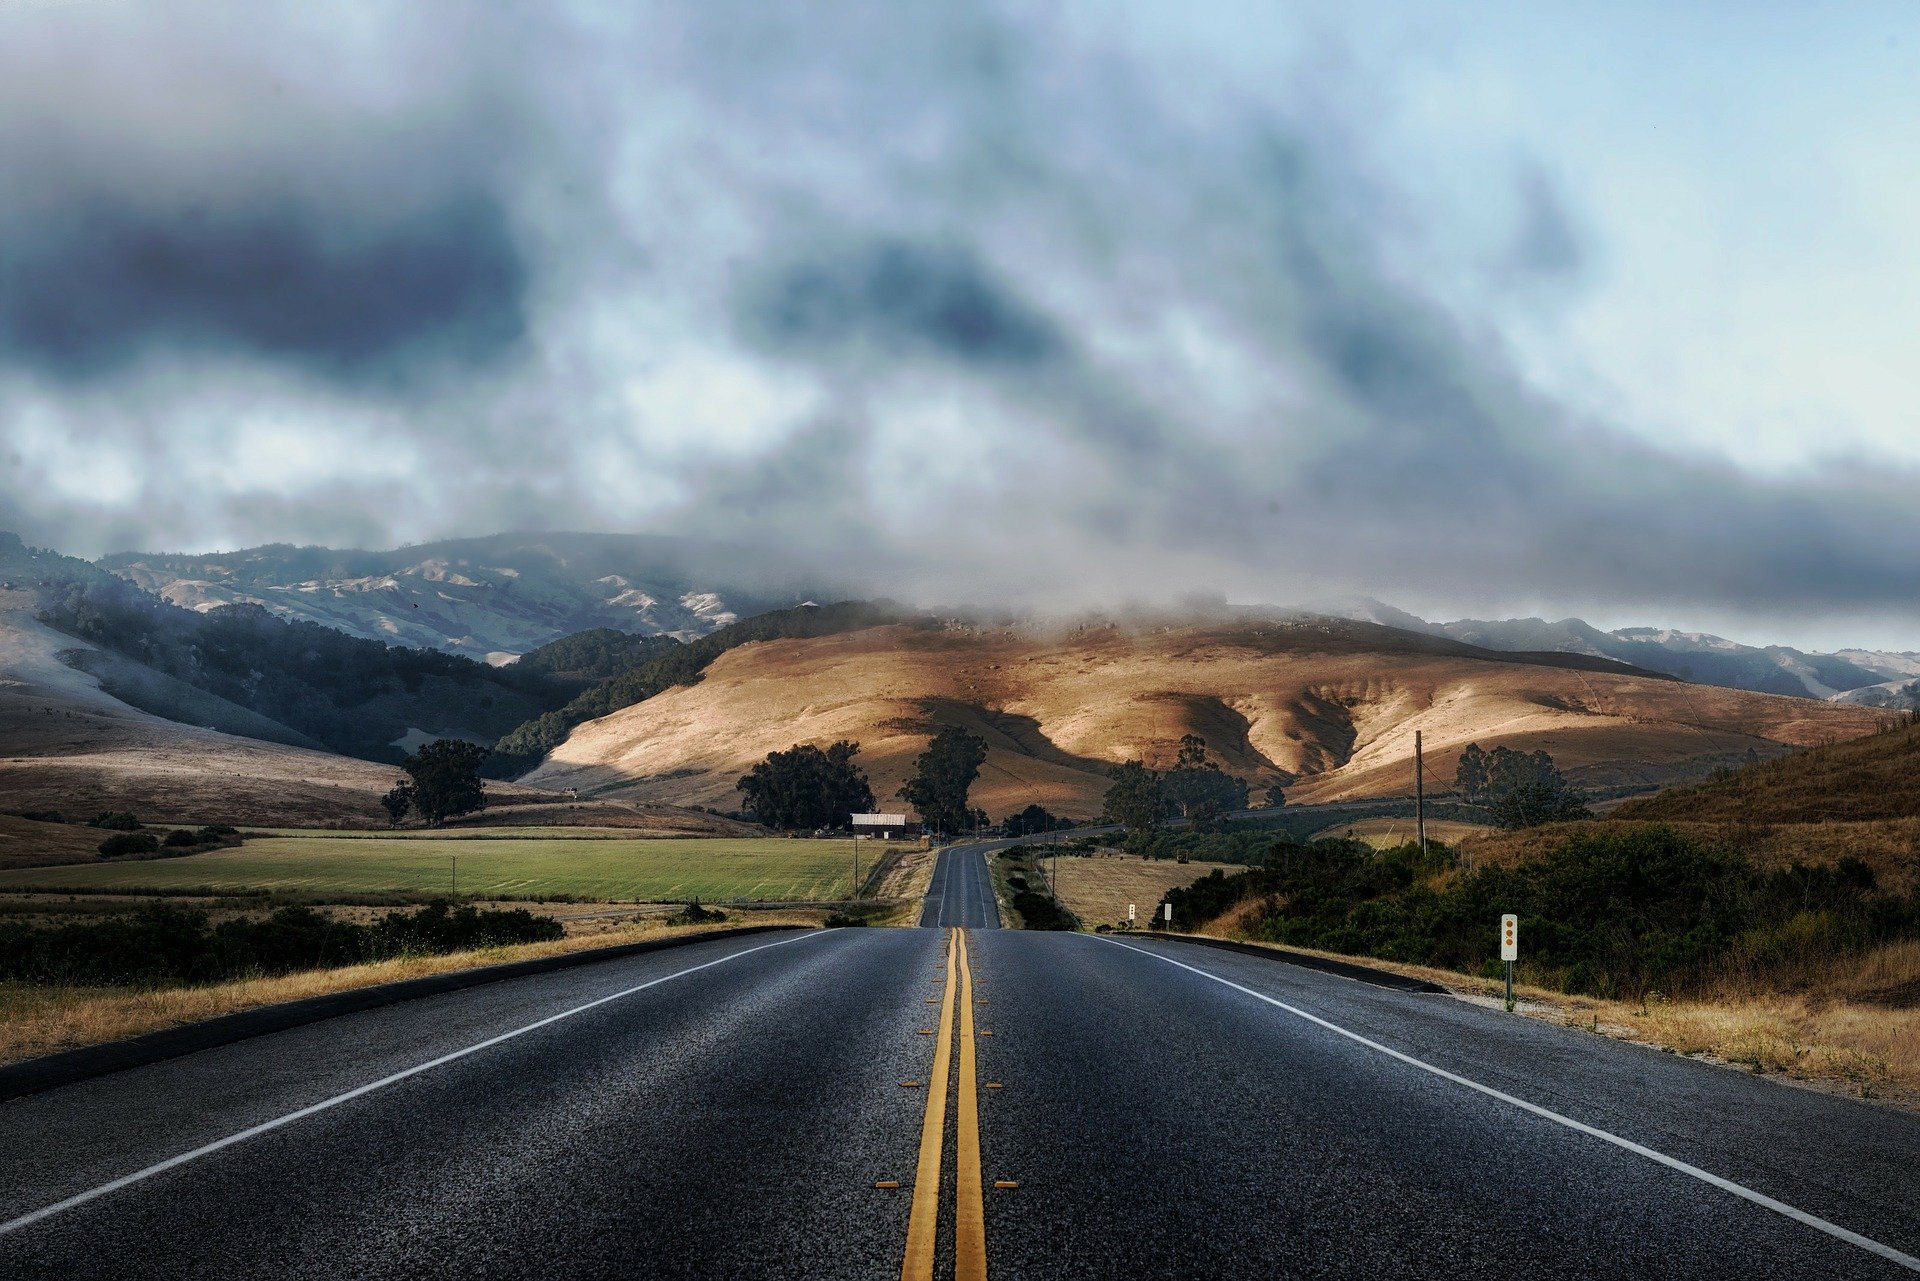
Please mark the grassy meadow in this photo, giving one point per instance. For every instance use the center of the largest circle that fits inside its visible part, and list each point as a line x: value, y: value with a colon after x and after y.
x: 599, y: 867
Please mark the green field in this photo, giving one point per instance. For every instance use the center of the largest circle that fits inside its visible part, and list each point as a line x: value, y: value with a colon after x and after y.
x: 656, y: 869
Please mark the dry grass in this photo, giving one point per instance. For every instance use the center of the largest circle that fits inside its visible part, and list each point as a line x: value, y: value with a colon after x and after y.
x: 45, y: 1020
x: 1891, y: 847
x: 1834, y: 1040
x: 1333, y: 706
x: 1097, y: 890
x: 1864, y: 779
x: 1389, y: 833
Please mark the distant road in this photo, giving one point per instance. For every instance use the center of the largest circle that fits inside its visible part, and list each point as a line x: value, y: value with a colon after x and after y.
x: 961, y: 892
x: 725, y: 1109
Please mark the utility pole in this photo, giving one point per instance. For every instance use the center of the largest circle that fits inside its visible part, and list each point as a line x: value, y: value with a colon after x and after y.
x: 853, y: 891
x: 1419, y: 793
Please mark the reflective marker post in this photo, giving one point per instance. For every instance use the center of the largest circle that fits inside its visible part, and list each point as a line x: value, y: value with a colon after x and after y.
x: 1509, y: 950
x: 1169, y: 914
x: 1130, y: 917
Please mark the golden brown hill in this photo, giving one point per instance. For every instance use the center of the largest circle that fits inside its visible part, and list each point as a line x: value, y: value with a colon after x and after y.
x: 1875, y: 777
x: 1327, y: 708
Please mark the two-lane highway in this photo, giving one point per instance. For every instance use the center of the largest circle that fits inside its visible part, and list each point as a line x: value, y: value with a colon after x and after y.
x: 938, y: 1102
x: 961, y: 893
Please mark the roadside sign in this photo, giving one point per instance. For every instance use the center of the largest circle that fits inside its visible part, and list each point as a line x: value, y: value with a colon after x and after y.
x: 1169, y: 908
x: 1509, y: 937
x: 1130, y: 912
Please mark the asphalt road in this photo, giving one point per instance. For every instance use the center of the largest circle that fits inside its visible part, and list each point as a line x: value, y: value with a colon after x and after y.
x: 962, y: 889
x: 726, y: 1109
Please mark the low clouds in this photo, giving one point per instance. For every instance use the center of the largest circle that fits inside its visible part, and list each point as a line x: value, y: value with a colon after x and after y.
x: 94, y: 286
x: 896, y: 299
x: 959, y: 301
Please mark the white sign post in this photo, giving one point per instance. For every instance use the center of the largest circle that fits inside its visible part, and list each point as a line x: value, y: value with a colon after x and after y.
x: 1509, y: 950
x: 1130, y: 917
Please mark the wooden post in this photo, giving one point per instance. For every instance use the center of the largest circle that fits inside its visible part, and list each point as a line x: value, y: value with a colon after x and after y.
x: 1419, y: 794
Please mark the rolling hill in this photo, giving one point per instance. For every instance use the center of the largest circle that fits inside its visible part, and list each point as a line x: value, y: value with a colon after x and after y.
x: 69, y: 745
x: 1327, y: 708
x: 1871, y: 678
x: 497, y: 596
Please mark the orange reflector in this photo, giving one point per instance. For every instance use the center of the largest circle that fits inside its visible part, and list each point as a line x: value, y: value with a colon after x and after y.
x: 886, y: 1183
x: 1005, y: 1183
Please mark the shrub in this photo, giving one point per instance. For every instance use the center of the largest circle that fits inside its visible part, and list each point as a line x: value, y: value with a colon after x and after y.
x: 180, y: 837
x: 44, y: 816
x: 125, y: 843
x: 694, y: 914
x: 164, y: 944
x: 116, y: 821
x: 1607, y: 913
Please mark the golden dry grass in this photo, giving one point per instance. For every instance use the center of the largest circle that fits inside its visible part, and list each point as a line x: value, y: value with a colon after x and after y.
x: 1833, y: 1039
x: 1387, y: 833
x: 1097, y: 890
x: 1891, y: 847
x: 1333, y: 706
x: 45, y: 1020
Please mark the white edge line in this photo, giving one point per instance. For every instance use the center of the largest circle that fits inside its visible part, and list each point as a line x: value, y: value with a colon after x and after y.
x: 126, y: 1180
x: 1887, y: 1252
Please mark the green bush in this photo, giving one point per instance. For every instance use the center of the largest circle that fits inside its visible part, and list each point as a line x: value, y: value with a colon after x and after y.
x: 165, y: 944
x: 1608, y: 913
x: 181, y: 836
x: 124, y: 843
x: 116, y: 821
x: 694, y: 914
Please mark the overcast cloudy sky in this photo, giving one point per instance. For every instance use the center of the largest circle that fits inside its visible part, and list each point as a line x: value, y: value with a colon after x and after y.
x: 1482, y: 309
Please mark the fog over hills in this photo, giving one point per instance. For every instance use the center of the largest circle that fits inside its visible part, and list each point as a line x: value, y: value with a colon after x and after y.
x: 1871, y: 678
x: 505, y: 594
x: 494, y: 597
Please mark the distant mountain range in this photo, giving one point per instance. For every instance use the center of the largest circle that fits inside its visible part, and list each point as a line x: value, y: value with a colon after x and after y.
x: 1870, y: 678
x: 486, y: 598
x: 505, y: 594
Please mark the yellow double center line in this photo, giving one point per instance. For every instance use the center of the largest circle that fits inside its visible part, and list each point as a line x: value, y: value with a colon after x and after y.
x: 969, y: 1214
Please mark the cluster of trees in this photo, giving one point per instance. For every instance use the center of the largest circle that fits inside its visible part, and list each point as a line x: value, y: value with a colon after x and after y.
x: 443, y: 782
x: 1196, y: 788
x: 1519, y: 789
x: 1035, y: 819
x: 811, y: 787
x: 807, y: 787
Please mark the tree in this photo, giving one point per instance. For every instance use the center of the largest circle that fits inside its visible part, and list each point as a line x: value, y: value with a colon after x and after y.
x: 1031, y: 821
x: 1198, y: 788
x: 397, y: 801
x: 1470, y: 776
x: 805, y: 787
x: 446, y: 779
x: 942, y: 777
x: 1276, y: 797
x: 1519, y: 789
x: 1135, y: 801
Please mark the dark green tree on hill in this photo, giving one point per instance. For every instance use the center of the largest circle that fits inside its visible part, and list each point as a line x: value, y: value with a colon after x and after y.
x: 942, y: 777
x: 805, y: 787
x: 1136, y: 800
x: 397, y: 801
x: 1198, y: 788
x: 446, y: 779
x: 1520, y: 789
x: 1033, y: 820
